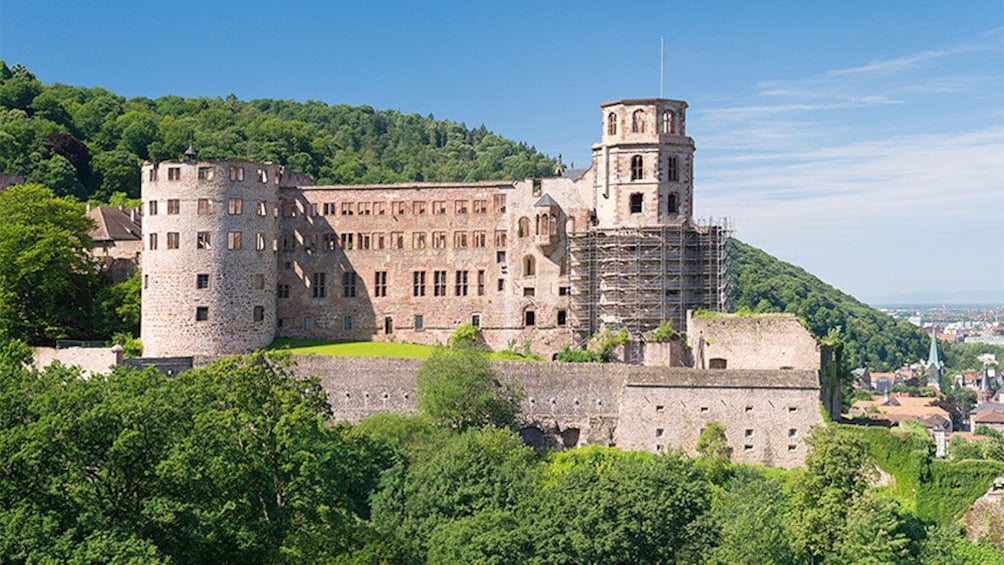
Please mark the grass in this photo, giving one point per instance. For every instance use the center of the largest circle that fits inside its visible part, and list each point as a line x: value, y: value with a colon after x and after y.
x: 374, y: 349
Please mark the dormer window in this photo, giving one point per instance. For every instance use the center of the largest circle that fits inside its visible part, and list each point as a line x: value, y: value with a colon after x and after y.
x: 637, y: 167
x: 638, y: 121
x: 612, y: 124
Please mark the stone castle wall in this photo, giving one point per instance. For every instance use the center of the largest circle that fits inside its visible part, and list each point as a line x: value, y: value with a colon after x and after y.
x: 765, y: 342
x: 91, y: 360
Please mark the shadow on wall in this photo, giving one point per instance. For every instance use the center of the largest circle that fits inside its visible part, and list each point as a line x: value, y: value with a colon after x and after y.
x: 550, y: 441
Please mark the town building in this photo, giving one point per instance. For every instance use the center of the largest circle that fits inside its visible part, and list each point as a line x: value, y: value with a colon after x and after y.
x: 117, y: 238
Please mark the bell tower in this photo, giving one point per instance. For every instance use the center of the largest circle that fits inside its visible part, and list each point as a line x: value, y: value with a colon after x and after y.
x: 644, y: 164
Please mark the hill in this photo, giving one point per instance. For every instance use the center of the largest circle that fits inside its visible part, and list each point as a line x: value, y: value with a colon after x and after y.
x: 89, y: 142
x: 763, y: 283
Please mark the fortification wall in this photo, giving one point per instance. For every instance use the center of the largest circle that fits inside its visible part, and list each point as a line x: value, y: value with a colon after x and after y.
x: 763, y: 342
x: 92, y: 360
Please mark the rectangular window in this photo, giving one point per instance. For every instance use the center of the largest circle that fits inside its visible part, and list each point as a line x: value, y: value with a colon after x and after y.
x: 379, y: 208
x: 259, y: 313
x: 236, y: 173
x: 501, y: 285
x: 259, y: 243
x: 418, y: 240
x: 476, y: 320
x: 379, y: 241
x: 205, y: 173
x: 380, y: 283
x: 364, y: 208
x: 153, y: 174
x: 636, y: 200
x: 349, y: 284
x: 529, y: 318
x: 672, y: 169
x: 202, y: 240
x: 347, y: 241
x: 418, y: 207
x: 328, y: 209
x: 460, y: 207
x: 500, y: 238
x: 146, y: 281
x: 174, y: 173
x: 347, y: 209
x: 418, y: 283
x: 499, y: 203
x: 282, y: 291
x: 201, y: 281
x: 347, y: 322
x: 439, y: 240
x: 173, y: 239
x: 318, y: 285
x: 288, y: 241
x: 153, y: 242
x: 397, y: 208
x: 173, y: 206
x: 330, y: 241
x: 438, y: 207
x: 201, y: 313
x: 397, y: 240
x: 480, y: 206
x: 235, y: 206
x: 262, y: 176
x: 363, y: 241
x: 313, y: 209
x: 153, y: 207
x: 480, y: 238
x: 460, y: 289
x: 259, y: 281
x: 439, y: 283
x: 419, y: 322
x: 460, y: 240
x: 500, y: 256
x: 234, y: 240
x: 562, y: 318
x: 529, y: 291
x: 205, y: 207
x: 261, y: 208
x: 564, y: 290
x: 481, y: 283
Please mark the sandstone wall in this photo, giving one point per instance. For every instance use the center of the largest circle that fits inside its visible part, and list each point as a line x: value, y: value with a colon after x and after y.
x: 764, y: 342
x: 92, y: 360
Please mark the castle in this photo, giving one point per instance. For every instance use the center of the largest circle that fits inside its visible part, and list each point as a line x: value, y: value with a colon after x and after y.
x: 238, y: 253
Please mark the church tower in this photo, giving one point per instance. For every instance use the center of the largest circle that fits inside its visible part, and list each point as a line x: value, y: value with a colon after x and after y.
x: 643, y: 164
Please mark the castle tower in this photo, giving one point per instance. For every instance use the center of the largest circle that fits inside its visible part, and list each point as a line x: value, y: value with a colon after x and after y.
x: 209, y: 263
x: 643, y: 164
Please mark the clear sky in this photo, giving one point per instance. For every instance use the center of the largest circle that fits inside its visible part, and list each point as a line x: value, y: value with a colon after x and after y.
x: 863, y: 141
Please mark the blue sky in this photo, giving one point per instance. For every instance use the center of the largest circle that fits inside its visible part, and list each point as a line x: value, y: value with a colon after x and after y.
x: 863, y: 141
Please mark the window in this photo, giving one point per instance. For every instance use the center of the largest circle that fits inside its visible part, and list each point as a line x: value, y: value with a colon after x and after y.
x: 146, y: 281
x: 282, y: 291
x: 635, y: 203
x: 364, y: 208
x: 328, y: 209
x: 460, y: 207
x: 261, y: 208
x: 259, y: 313
x: 347, y: 240
x: 418, y: 240
x: 201, y: 281
x: 439, y: 283
x: 201, y: 313
x: 259, y: 281
x: 364, y: 241
x: 235, y: 206
x: 671, y: 205
x: 438, y: 207
x: 396, y: 240
x: 153, y: 242
x: 379, y: 241
x: 501, y: 285
x: 259, y: 243
x: 380, y: 283
x: 480, y: 238
x: 349, y: 284
x: 529, y: 266
x: 562, y: 318
x: 419, y: 322
x: 792, y: 409
x: 418, y: 283
x: 439, y: 240
x: 173, y: 206
x: 460, y: 240
x: 174, y: 173
x: 529, y: 318
x: 460, y: 289
x: 308, y: 323
x: 288, y: 241
x: 173, y: 239
x: 204, y: 207
x: 501, y: 238
x: 529, y: 291
x: 388, y: 326
x: 205, y: 173
x: 658, y: 432
x: 234, y: 240
x: 672, y: 170
x: 611, y: 124
x: 379, y: 208
x: 476, y: 320
x: 638, y: 121
x: 262, y: 176
x: 347, y: 322
x: 347, y: 209
x: 318, y: 285
x: 748, y: 447
x: 480, y: 206
x: 418, y: 207
x: 792, y: 432
x: 236, y: 173
x: 202, y: 240
x: 748, y: 433
x: 717, y: 363
x: 564, y: 290
x: 498, y: 201
x: 667, y: 121
x: 500, y: 256
x: 523, y: 228
x: 481, y: 282
x: 397, y: 208
x: 152, y: 205
x: 153, y: 174
x: 637, y: 168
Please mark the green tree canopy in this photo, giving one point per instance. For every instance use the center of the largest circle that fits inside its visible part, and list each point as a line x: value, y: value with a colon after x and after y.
x: 458, y: 388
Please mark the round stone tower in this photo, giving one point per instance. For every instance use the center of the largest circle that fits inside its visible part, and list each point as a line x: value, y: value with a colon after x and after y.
x: 209, y: 263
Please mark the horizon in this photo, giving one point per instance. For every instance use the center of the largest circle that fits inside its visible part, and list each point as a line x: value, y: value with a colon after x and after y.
x: 815, y: 138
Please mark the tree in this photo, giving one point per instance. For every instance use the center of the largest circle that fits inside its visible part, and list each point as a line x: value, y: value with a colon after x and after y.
x: 753, y: 515
x: 716, y: 454
x: 118, y: 308
x: 875, y: 533
x: 459, y: 388
x: 60, y: 175
x: 47, y: 276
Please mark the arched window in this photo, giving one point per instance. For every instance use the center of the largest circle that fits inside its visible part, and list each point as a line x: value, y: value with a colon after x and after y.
x: 529, y: 266
x: 638, y: 121
x: 524, y: 227
x: 667, y: 121
x: 671, y: 206
x: 611, y: 124
x: 637, y: 167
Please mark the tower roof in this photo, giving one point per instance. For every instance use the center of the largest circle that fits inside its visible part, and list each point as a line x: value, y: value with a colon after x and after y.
x: 545, y: 202
x: 932, y: 357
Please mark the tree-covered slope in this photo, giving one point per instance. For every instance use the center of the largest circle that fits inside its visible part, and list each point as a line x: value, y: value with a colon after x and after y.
x: 89, y: 142
x: 763, y: 283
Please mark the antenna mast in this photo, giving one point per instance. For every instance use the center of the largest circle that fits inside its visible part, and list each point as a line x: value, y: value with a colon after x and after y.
x: 662, y: 49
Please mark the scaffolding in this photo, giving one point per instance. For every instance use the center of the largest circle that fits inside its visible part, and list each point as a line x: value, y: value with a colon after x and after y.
x: 637, y: 278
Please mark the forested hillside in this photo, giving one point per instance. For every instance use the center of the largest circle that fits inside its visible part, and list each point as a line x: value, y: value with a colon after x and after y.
x: 89, y: 142
x: 763, y: 283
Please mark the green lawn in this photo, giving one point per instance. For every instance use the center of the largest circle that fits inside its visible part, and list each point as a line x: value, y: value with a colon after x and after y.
x: 372, y: 349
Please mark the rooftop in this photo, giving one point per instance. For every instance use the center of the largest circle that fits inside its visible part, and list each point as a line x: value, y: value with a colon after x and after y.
x: 113, y: 224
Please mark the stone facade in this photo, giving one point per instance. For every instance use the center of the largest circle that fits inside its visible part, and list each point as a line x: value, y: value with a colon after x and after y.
x: 547, y: 261
x: 763, y: 342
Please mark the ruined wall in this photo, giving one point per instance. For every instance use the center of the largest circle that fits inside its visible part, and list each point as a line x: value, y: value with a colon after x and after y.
x: 764, y: 342
x: 92, y: 360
